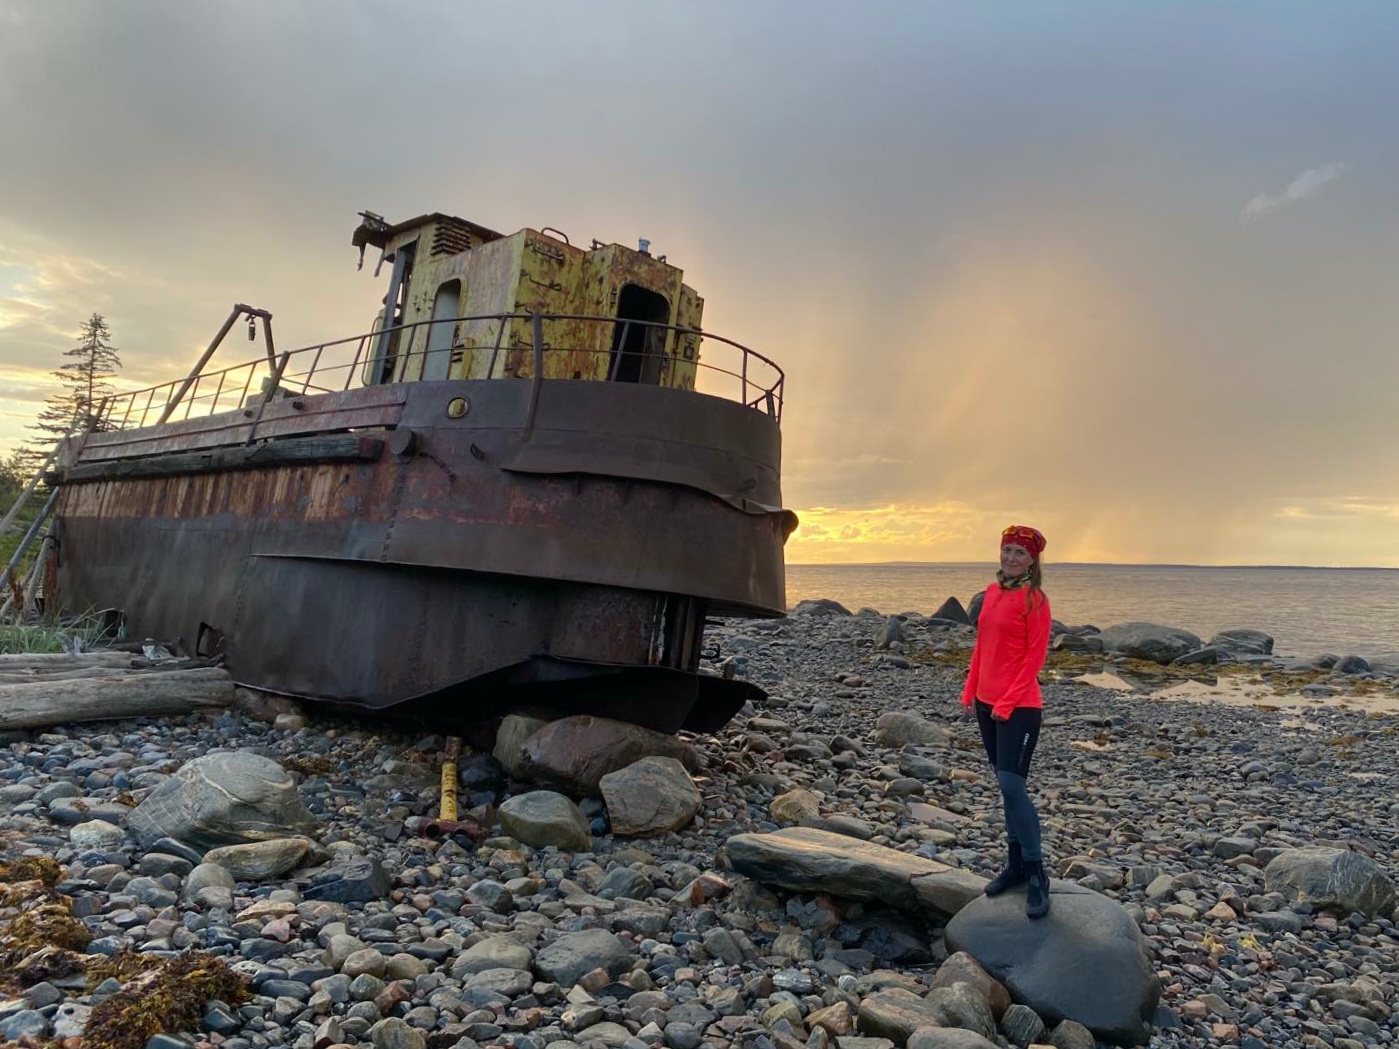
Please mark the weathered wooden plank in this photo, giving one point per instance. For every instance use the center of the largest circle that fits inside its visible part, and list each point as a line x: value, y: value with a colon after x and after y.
x: 363, y: 407
x: 336, y: 448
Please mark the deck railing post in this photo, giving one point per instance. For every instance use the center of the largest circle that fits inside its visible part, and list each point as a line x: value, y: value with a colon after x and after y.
x: 273, y: 384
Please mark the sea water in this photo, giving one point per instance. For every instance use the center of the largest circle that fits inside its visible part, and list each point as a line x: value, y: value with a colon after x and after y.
x: 1308, y: 611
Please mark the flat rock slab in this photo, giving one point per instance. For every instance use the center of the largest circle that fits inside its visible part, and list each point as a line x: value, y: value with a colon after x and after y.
x: 1085, y: 961
x: 805, y: 859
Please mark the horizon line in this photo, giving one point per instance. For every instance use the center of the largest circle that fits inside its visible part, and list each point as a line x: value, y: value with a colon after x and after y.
x: 1089, y: 564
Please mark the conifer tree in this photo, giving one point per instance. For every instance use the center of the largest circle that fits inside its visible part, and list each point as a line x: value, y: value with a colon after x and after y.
x: 84, y: 378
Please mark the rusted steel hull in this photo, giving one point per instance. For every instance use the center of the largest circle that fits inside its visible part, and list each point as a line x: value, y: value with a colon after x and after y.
x: 554, y: 531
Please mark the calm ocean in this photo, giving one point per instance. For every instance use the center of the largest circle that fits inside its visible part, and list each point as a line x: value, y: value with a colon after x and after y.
x: 1307, y: 610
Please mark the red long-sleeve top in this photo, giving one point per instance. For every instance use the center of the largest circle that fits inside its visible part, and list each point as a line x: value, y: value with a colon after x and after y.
x: 1012, y: 639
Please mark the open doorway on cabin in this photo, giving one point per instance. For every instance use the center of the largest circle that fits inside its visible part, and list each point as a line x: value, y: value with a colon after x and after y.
x: 437, y: 363
x: 638, y: 349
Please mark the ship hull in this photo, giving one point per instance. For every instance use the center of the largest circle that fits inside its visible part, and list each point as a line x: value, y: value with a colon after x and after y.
x: 435, y: 548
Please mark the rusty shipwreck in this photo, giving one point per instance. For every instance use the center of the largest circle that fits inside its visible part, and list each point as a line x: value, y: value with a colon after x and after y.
x: 535, y: 477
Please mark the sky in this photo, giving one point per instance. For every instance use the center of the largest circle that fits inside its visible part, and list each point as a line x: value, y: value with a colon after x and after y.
x: 1125, y: 272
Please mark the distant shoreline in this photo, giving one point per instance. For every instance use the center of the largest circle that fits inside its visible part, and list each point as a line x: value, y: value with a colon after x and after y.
x: 1090, y: 564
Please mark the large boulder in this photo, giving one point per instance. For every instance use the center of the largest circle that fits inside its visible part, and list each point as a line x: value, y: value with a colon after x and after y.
x: 574, y: 753
x: 650, y: 796
x: 808, y: 860
x: 1331, y: 879
x: 542, y: 818
x: 974, y: 607
x: 1085, y: 961
x: 952, y: 610
x: 1149, y: 641
x: 225, y: 798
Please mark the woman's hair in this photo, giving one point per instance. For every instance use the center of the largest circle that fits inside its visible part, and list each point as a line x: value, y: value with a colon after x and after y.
x: 1035, y: 593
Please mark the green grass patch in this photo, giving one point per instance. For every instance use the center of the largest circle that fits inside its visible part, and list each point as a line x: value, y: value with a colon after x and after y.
x: 85, y: 633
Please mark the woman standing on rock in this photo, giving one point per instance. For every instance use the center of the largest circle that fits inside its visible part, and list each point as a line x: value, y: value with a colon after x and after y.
x: 1012, y: 639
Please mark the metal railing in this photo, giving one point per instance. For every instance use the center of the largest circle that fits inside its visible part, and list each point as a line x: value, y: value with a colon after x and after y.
x: 655, y: 357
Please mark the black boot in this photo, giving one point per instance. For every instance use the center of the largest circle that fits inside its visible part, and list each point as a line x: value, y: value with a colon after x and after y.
x: 1014, y: 874
x: 1036, y: 890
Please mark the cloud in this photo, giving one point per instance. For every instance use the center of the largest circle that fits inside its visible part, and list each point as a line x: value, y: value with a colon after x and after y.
x: 1305, y: 186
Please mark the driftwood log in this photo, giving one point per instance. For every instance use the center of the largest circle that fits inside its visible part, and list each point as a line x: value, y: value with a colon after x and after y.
x: 42, y: 702
x: 47, y: 662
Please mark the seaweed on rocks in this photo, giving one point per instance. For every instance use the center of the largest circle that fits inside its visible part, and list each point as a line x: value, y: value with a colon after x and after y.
x: 43, y: 941
x: 158, y: 995
x: 31, y: 868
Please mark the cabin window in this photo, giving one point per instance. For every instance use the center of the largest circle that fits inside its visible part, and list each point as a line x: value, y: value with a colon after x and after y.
x: 442, y: 335
x: 638, y: 349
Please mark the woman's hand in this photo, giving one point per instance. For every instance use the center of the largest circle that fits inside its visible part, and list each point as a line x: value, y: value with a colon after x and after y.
x: 997, y: 716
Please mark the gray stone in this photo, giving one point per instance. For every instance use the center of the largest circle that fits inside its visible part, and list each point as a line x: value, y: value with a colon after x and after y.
x: 260, y: 860
x: 1068, y: 1034
x: 821, y: 606
x: 897, y: 729
x: 69, y: 812
x: 974, y: 607
x: 1199, y: 656
x: 354, y: 879
x: 649, y: 797
x: 96, y: 836
x: 1331, y: 879
x: 607, y: 1033
x: 1149, y: 641
x: 510, y: 982
x: 394, y: 1033
x: 795, y: 806
x: 510, y: 738
x: 26, y: 1021
x: 1352, y: 665
x: 947, y: 1038
x: 952, y: 610
x: 1022, y: 1025
x: 1085, y: 961
x: 809, y: 860
x: 1077, y: 643
x: 225, y: 798
x: 542, y: 817
x: 1243, y: 642
x: 962, y: 1005
x: 341, y: 948
x: 895, y: 1014
x: 208, y: 875
x: 576, y: 953
x: 624, y: 882
x: 963, y: 968
x: 574, y: 753
x: 890, y: 632
x: 495, y: 952
x: 71, y: 1020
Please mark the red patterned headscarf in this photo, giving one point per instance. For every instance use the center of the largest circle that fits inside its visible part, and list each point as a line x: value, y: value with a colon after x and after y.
x: 1025, y: 536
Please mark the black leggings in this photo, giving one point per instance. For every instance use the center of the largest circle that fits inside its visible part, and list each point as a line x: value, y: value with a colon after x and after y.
x: 1010, y: 744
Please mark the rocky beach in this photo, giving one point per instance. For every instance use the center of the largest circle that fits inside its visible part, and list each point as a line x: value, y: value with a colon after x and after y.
x: 809, y: 876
